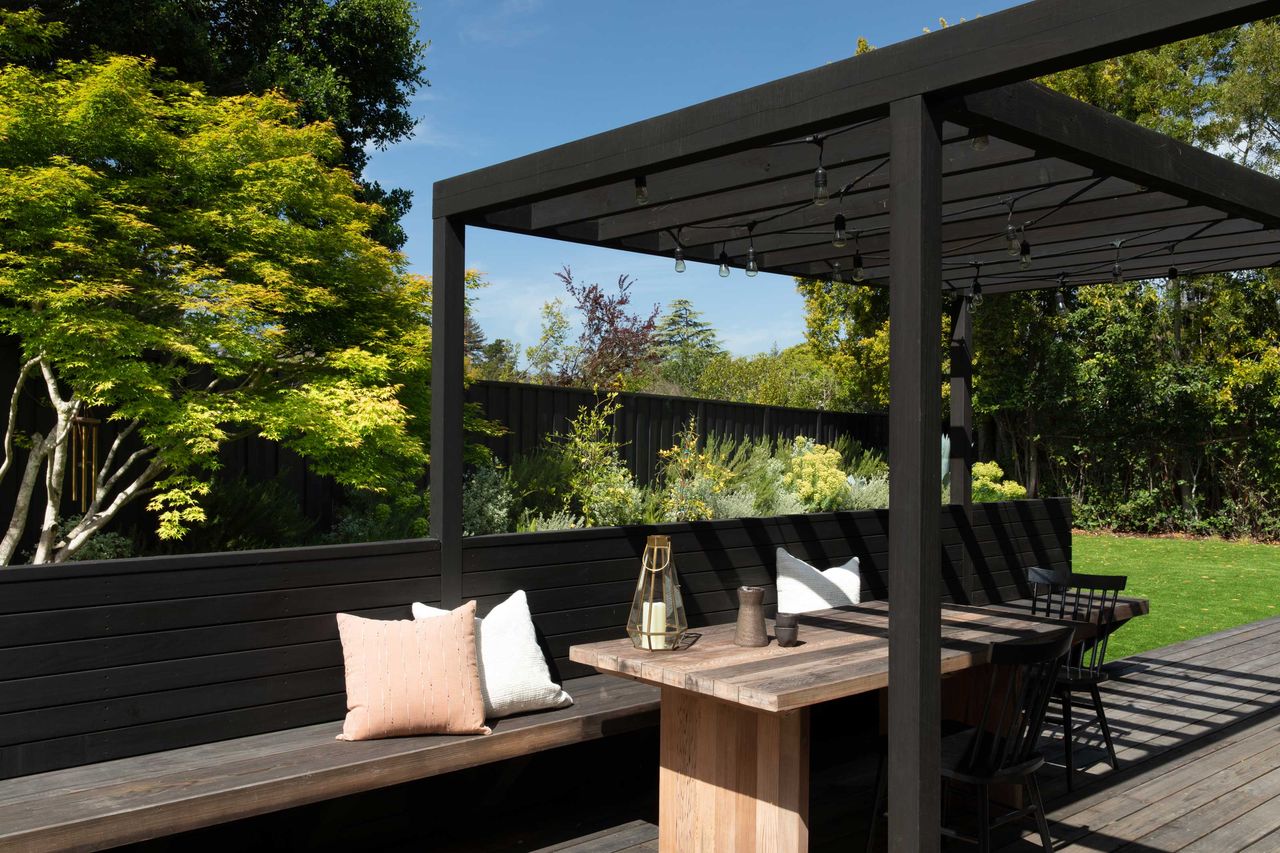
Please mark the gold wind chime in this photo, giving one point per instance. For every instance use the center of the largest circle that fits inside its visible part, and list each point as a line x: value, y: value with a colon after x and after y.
x: 84, y: 459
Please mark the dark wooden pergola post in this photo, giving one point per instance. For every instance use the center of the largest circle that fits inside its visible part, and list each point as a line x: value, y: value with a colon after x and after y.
x: 915, y: 478
x: 448, y: 297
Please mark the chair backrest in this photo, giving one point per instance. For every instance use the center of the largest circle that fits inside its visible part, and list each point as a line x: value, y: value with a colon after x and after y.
x: 1042, y: 583
x: 1087, y: 598
x: 1018, y: 692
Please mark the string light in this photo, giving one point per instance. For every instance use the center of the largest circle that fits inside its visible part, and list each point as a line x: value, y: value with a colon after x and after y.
x: 835, y: 270
x: 1060, y: 295
x: 858, y: 272
x: 679, y: 254
x: 975, y: 290
x: 724, y: 264
x: 980, y: 142
x: 1024, y: 254
x: 642, y: 190
x: 821, y: 195
x: 1117, y: 271
x: 1012, y: 240
x: 1173, y: 275
x: 752, y: 269
x: 840, y: 238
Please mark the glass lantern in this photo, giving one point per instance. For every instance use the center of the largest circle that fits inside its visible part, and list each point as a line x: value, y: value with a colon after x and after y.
x: 657, y: 619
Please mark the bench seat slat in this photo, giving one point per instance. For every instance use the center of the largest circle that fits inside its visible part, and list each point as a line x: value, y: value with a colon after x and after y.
x: 133, y: 799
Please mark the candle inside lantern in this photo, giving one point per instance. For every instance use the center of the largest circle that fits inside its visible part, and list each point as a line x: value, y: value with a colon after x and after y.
x: 655, y: 625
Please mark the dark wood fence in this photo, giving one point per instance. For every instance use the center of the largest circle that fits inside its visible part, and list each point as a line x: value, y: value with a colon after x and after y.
x: 649, y: 423
x: 124, y: 657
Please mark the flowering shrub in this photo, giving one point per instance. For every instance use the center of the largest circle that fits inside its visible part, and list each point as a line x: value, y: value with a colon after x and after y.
x: 815, y: 474
x: 691, y: 480
x: 599, y: 484
x: 988, y: 485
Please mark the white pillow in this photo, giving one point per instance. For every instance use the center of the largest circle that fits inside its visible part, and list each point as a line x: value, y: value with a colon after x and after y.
x: 513, y: 673
x: 803, y: 589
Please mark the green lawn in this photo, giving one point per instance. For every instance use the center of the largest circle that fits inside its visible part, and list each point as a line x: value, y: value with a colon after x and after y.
x: 1196, y: 586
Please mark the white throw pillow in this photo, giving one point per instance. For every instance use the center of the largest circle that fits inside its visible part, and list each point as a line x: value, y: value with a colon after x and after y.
x: 513, y: 673
x: 803, y: 589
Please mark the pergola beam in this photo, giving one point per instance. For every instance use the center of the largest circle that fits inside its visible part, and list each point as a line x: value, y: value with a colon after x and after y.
x: 1060, y: 125
x: 1021, y: 43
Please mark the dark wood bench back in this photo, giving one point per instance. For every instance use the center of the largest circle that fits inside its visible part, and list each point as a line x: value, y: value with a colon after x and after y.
x: 125, y: 657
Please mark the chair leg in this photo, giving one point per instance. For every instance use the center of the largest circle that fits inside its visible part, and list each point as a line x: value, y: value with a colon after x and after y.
x: 1042, y: 820
x: 1106, y: 730
x: 984, y: 820
x: 882, y: 783
x: 1067, y: 738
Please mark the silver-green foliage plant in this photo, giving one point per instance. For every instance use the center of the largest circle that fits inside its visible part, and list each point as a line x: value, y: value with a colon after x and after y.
x: 486, y: 502
x: 560, y: 520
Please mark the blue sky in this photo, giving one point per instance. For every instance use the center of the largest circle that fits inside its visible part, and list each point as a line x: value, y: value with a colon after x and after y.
x: 514, y: 76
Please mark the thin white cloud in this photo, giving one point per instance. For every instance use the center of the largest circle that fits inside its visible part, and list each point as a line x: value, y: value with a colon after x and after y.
x: 510, y: 23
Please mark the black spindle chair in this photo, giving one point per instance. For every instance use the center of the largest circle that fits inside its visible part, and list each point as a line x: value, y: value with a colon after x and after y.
x: 1083, y: 598
x: 1002, y: 748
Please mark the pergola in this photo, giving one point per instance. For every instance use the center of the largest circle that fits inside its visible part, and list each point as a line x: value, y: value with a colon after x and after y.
x: 942, y: 169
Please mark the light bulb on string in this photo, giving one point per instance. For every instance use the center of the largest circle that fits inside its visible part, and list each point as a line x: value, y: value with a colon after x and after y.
x: 821, y: 195
x: 975, y: 290
x: 1173, y: 276
x: 642, y: 190
x: 840, y: 238
x: 680, y: 265
x: 1060, y: 295
x: 859, y: 273
x: 752, y: 268
x: 1013, y: 242
x: 1117, y: 273
x: 724, y: 264
x: 835, y: 271
x: 1024, y: 254
x: 980, y: 142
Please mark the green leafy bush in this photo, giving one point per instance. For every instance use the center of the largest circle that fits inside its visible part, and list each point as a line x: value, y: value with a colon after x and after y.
x: 243, y: 515
x: 377, y: 518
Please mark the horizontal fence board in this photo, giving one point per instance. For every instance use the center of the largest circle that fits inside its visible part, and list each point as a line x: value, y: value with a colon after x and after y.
x: 169, y: 705
x: 80, y: 623
x: 117, y: 682
x: 92, y: 747
x: 106, y: 588
x: 190, y: 643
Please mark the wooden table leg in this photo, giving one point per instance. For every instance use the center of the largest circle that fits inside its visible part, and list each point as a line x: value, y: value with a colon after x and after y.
x: 732, y: 779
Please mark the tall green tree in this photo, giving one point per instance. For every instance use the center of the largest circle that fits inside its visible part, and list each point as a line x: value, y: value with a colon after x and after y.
x: 685, y: 344
x: 356, y: 63
x: 193, y: 269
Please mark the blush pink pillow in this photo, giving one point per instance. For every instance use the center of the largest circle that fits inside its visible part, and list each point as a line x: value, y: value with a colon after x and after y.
x: 411, y: 677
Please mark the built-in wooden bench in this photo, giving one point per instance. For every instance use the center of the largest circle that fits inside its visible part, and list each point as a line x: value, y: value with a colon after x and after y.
x: 133, y: 799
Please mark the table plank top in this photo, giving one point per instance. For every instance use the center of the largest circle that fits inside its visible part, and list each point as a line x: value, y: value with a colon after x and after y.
x: 842, y: 652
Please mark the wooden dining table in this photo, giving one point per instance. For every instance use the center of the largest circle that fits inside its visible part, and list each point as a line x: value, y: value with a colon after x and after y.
x: 734, y: 754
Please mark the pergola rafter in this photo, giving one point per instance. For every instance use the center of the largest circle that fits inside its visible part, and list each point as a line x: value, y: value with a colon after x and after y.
x: 940, y: 146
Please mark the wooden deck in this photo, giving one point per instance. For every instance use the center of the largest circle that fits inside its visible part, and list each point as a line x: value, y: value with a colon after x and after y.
x: 1197, y: 729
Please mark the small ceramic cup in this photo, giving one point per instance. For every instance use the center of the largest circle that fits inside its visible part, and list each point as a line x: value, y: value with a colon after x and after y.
x: 787, y: 629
